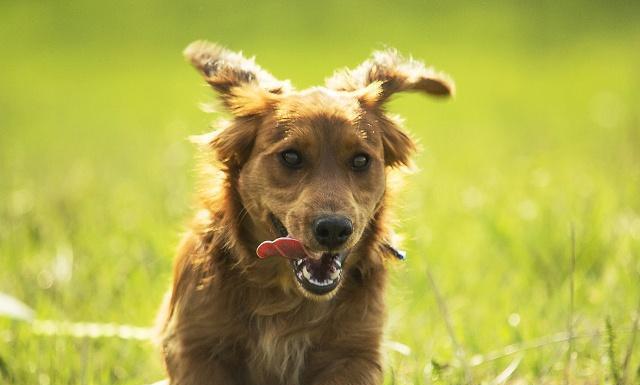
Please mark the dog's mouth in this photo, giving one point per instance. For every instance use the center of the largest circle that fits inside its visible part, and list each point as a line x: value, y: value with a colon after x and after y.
x: 319, y: 276
x: 317, y: 273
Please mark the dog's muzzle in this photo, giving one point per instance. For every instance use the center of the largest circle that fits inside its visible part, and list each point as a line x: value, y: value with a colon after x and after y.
x: 316, y: 273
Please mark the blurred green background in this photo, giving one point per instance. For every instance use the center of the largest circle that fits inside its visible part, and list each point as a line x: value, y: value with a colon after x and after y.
x: 97, y: 180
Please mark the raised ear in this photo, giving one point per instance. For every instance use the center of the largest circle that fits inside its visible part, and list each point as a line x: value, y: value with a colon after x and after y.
x: 244, y: 87
x: 394, y: 74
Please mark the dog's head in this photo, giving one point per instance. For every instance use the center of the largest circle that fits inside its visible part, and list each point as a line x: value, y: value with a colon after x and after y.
x: 311, y: 165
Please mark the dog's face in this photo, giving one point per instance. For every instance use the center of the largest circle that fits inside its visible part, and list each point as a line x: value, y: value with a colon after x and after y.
x: 317, y: 167
x: 316, y: 173
x: 311, y: 165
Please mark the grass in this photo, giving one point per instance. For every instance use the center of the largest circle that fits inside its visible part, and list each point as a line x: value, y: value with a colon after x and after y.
x: 96, y: 176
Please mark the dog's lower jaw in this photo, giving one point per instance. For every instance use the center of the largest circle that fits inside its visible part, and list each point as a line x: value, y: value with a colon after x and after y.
x: 319, y: 279
x: 317, y: 297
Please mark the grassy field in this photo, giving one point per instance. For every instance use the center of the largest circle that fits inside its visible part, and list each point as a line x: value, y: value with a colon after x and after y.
x: 542, y: 141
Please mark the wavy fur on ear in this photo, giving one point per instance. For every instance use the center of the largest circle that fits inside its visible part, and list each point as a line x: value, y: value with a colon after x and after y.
x: 398, y: 146
x: 395, y: 74
x: 376, y: 80
x: 244, y: 87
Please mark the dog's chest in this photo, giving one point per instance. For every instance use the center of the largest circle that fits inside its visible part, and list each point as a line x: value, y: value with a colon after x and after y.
x: 277, y: 355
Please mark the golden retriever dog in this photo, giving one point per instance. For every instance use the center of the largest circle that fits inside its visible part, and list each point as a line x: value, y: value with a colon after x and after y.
x: 280, y: 279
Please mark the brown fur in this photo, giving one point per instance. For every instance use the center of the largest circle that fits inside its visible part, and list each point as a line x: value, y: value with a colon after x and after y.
x: 231, y: 318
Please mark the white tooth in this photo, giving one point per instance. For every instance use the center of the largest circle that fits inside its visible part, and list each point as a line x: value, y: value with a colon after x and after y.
x: 337, y: 262
x: 335, y: 274
x: 306, y: 273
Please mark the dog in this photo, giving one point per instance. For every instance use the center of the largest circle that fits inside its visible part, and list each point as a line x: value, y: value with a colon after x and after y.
x: 308, y: 168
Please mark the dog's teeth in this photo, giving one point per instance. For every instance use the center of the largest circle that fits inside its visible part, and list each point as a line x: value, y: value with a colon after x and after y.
x: 306, y: 273
x: 320, y: 283
x: 326, y: 282
x: 338, y: 263
x: 334, y: 274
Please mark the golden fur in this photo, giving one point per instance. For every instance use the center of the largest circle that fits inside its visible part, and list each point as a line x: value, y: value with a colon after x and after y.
x: 231, y: 318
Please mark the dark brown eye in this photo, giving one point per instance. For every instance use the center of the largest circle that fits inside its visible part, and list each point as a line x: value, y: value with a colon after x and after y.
x: 360, y: 162
x: 291, y: 158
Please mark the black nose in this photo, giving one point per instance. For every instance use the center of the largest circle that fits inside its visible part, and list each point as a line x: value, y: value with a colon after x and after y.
x: 332, y: 230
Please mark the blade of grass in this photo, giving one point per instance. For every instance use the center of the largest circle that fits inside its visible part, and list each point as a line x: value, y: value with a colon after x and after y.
x: 632, y: 343
x: 4, y: 369
x: 460, y: 353
x: 572, y: 270
x: 611, y: 352
x: 507, y: 372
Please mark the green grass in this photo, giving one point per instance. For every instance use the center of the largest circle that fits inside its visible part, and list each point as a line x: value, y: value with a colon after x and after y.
x: 96, y: 174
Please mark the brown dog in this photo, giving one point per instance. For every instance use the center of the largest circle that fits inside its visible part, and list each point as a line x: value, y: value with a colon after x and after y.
x: 310, y: 166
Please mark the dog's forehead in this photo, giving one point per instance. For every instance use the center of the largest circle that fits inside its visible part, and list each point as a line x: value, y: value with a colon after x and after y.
x: 319, y: 102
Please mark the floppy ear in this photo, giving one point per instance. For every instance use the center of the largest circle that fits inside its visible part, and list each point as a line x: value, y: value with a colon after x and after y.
x: 376, y: 80
x: 397, y: 145
x: 248, y: 92
x: 244, y: 87
x: 231, y: 142
x: 394, y: 74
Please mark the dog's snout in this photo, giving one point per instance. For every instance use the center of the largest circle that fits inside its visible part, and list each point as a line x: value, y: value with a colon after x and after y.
x: 332, y: 230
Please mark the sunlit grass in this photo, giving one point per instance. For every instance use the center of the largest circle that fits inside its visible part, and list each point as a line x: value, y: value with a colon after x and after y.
x: 96, y: 179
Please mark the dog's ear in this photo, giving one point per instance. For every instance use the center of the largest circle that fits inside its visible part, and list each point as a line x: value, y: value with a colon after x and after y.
x: 394, y: 74
x: 397, y: 144
x: 244, y: 87
x: 231, y: 142
x: 376, y: 80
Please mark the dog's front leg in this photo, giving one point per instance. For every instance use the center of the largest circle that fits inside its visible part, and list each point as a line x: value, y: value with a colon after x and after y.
x: 350, y: 370
x: 196, y: 366
x: 200, y: 372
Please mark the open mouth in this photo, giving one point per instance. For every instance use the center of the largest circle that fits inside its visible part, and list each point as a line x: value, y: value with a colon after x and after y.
x: 317, y: 274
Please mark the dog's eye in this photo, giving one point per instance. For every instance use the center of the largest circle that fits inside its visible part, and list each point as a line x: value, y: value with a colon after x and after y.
x: 291, y: 158
x: 360, y: 162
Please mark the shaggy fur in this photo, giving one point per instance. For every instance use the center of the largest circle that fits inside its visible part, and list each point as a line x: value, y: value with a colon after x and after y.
x: 231, y: 318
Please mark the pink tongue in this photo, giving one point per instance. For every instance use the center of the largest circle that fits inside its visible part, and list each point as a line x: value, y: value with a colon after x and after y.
x: 281, y: 247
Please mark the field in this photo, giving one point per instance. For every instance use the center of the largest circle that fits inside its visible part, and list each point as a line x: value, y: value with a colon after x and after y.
x: 533, y: 166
